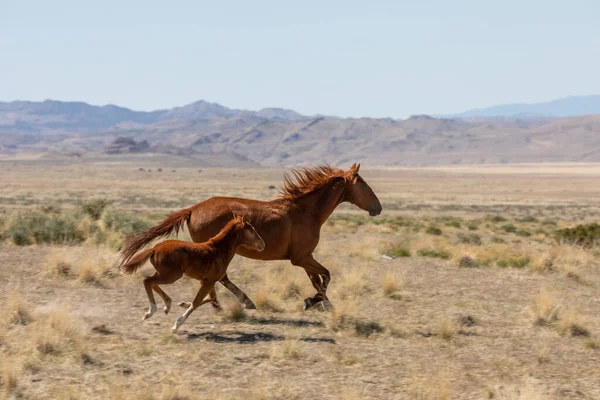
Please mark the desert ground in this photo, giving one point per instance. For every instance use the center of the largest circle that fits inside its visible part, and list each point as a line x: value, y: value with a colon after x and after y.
x: 460, y: 289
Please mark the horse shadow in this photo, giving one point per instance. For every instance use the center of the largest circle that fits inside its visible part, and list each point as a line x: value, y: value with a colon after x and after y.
x: 249, y: 337
x: 298, y: 323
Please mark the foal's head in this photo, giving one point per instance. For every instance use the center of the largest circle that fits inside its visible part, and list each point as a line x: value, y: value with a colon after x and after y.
x: 360, y: 193
x: 249, y: 237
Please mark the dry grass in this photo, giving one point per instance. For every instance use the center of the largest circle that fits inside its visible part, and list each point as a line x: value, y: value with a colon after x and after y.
x: 390, y: 284
x: 545, y: 308
x: 446, y: 328
x: 16, y: 310
x: 57, y: 334
x: 84, y: 338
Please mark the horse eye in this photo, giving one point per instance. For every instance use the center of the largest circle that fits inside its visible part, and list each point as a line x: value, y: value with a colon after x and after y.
x: 364, y: 185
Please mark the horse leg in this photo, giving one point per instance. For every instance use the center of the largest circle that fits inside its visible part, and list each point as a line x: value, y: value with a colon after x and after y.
x: 212, y: 297
x: 241, y: 296
x: 320, y: 278
x: 206, y: 288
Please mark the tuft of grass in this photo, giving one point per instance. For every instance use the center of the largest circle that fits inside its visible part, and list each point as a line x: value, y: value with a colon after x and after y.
x: 516, y: 262
x: 495, y: 218
x: 10, y: 373
x: 94, y: 208
x: 444, y: 255
x: 469, y: 238
x: 508, y: 228
x: 398, y: 251
x: 523, y: 233
x: 57, y: 334
x: 57, y: 264
x: 433, y: 230
x: 16, y: 309
x: 592, y: 343
x: 234, y: 312
x: 344, y: 320
x: 545, y: 309
x: 497, y: 239
x: 446, y: 328
x: 569, y: 325
x: 265, y: 303
x: 27, y: 228
x: 467, y: 262
x: 391, y: 286
x: 289, y: 349
x: 125, y: 223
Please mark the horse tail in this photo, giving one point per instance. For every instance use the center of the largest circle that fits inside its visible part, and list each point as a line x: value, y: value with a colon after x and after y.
x: 172, y: 223
x: 136, y: 262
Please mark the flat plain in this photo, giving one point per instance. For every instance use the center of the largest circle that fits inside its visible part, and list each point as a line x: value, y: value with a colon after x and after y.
x: 458, y: 290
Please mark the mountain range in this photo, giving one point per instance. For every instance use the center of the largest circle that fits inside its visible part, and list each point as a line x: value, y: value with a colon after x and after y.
x: 551, y: 132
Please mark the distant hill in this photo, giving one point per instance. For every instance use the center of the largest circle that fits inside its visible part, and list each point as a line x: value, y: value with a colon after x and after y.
x: 573, y: 106
x: 279, y: 137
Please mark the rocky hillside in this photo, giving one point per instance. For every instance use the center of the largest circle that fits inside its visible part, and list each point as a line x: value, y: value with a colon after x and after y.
x: 278, y: 137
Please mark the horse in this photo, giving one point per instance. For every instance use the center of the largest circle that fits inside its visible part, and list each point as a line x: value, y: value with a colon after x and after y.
x: 206, y: 262
x: 290, y: 224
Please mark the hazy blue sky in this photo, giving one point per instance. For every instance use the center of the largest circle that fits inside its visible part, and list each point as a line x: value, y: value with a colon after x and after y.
x: 348, y: 58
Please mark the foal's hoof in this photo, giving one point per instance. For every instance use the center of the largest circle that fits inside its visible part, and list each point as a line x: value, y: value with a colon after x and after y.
x: 184, y: 304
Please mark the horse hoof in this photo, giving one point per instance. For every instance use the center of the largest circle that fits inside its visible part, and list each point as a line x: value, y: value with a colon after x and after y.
x: 249, y: 306
x: 184, y: 304
x: 307, y: 304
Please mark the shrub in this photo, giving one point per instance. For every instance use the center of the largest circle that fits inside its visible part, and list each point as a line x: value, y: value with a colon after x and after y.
x: 35, y: 227
x: 467, y: 262
x: 399, y: 251
x: 453, y: 224
x: 528, y: 218
x: 434, y: 253
x: 125, y: 223
x: 517, y: 262
x: 469, y: 238
x: 434, y: 230
x: 497, y: 239
x: 509, y: 228
x: 94, y: 208
x: 523, y: 233
x: 581, y: 235
x: 472, y: 226
x: 496, y: 218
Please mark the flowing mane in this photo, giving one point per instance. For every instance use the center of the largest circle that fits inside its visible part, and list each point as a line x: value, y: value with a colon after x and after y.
x: 301, y: 181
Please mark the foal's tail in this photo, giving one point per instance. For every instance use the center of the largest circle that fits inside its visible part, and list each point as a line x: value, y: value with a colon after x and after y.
x: 136, y: 262
x: 172, y: 223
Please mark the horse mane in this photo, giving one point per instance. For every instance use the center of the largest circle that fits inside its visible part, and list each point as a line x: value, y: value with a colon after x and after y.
x: 301, y: 181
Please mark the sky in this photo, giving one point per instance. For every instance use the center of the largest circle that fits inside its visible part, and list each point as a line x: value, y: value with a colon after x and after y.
x: 344, y: 58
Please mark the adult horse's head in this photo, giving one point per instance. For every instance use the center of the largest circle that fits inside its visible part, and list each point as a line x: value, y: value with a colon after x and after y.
x: 360, y: 193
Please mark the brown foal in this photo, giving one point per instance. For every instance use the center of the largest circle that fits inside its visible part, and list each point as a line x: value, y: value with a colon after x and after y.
x: 206, y: 262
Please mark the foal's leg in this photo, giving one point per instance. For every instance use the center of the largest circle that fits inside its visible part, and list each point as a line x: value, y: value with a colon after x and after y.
x: 212, y: 298
x: 241, y: 296
x: 198, y: 301
x: 165, y: 298
x: 152, y: 282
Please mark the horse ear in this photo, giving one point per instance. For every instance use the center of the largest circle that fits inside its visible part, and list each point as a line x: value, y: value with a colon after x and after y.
x: 354, y: 170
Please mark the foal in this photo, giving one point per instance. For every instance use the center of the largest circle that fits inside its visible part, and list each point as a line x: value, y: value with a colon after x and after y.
x: 206, y: 262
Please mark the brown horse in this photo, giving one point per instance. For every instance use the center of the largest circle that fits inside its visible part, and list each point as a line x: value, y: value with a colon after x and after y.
x: 206, y: 262
x: 290, y: 225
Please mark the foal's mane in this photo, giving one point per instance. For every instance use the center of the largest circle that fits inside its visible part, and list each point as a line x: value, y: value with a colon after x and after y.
x: 301, y: 181
x: 223, y: 233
